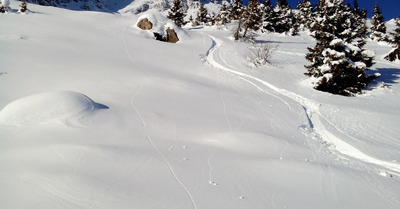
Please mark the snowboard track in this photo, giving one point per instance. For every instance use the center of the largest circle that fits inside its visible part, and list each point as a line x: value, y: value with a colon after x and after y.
x: 311, y: 110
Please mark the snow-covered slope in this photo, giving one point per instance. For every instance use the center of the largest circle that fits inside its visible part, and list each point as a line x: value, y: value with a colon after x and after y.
x: 188, y: 125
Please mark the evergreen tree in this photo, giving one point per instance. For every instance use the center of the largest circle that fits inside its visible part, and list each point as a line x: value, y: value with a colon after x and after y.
x: 268, y: 16
x: 306, y: 13
x: 4, y: 6
x: 202, y: 15
x: 236, y: 10
x: 378, y: 27
x: 252, y: 18
x: 338, y: 58
x: 23, y: 7
x: 176, y: 14
x: 359, y: 23
x: 395, y: 53
x: 283, y: 20
x: 222, y: 17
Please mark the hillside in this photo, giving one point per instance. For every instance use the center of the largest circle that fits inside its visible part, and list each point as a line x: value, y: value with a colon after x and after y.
x: 95, y: 113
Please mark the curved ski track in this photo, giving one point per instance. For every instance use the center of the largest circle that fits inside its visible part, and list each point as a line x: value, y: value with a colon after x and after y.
x: 311, y: 109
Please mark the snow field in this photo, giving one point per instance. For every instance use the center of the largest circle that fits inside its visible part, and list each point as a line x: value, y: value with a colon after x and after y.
x: 189, y: 125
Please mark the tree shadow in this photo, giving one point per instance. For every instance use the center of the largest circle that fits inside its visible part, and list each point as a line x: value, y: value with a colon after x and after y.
x: 388, y: 76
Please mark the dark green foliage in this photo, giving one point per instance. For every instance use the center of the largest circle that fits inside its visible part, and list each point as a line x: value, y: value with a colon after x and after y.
x: 23, y: 7
x: 222, y: 17
x: 268, y: 16
x: 378, y: 27
x: 175, y: 13
x: 252, y: 18
x: 338, y: 58
x: 284, y: 20
x: 306, y: 13
x: 395, y: 40
x: 202, y: 16
x: 236, y: 10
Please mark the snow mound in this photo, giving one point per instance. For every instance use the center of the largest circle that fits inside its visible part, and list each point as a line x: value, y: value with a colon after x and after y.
x: 161, y: 23
x: 47, y: 107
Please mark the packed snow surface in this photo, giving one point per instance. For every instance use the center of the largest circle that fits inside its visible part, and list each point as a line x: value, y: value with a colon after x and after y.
x: 191, y: 125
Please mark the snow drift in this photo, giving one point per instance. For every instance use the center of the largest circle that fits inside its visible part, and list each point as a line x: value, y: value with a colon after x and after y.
x: 47, y: 107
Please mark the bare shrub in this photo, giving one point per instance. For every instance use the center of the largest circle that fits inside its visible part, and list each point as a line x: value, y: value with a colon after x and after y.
x: 260, y: 53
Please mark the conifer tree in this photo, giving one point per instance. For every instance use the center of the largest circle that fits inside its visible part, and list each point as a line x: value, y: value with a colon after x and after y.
x: 222, y: 17
x: 378, y: 27
x: 23, y: 7
x: 175, y: 13
x: 202, y: 15
x: 359, y: 23
x: 284, y: 19
x: 338, y: 58
x: 252, y: 18
x: 4, y: 6
x: 395, y: 53
x: 268, y: 16
x: 236, y: 10
x: 306, y: 13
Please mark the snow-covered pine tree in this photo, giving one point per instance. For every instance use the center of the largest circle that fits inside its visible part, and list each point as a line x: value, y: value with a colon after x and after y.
x: 395, y: 40
x: 4, y: 6
x: 337, y: 59
x: 268, y: 16
x: 235, y: 10
x: 378, y: 27
x: 23, y: 7
x: 359, y: 23
x: 306, y: 13
x: 284, y: 20
x: 252, y: 18
x: 175, y: 13
x: 202, y: 16
x: 222, y: 17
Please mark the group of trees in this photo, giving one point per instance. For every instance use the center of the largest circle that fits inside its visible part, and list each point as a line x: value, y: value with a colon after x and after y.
x: 338, y: 59
x: 5, y: 6
x: 255, y: 16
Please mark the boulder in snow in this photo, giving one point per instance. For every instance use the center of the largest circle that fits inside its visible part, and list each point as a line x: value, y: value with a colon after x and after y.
x: 145, y: 24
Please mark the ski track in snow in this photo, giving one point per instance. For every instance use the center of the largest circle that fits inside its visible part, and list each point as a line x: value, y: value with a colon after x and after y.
x: 170, y: 168
x: 311, y: 109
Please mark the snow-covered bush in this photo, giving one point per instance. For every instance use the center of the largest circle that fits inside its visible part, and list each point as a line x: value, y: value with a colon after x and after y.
x: 260, y: 53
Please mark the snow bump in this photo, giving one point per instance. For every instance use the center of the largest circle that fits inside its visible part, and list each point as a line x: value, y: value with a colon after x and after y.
x: 64, y: 106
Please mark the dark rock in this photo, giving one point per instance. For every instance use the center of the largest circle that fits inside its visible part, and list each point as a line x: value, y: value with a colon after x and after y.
x: 171, y: 36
